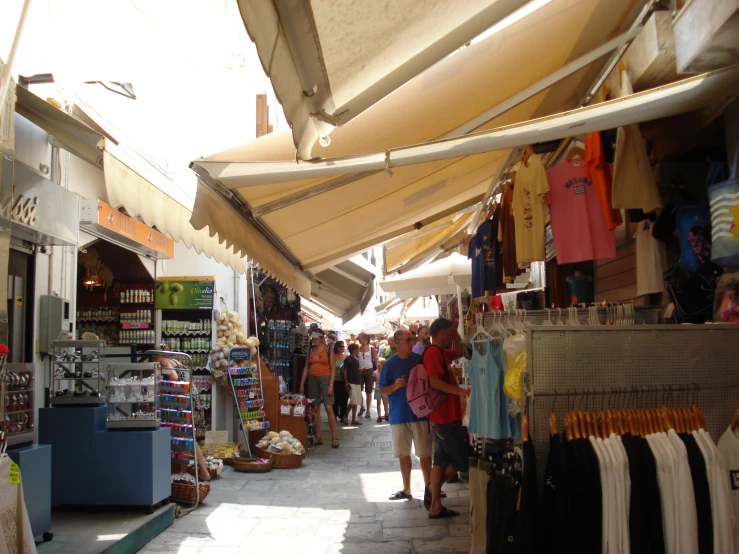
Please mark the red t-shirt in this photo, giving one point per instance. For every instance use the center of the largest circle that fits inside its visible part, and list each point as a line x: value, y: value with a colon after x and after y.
x: 450, y: 410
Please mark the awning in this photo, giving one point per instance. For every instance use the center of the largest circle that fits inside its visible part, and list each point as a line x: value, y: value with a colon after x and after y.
x: 442, y: 277
x: 321, y: 219
x: 68, y: 132
x: 135, y: 190
x: 345, y: 289
x: 329, y: 61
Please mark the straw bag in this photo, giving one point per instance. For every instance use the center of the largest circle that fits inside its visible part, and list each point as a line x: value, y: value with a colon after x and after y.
x: 724, y: 201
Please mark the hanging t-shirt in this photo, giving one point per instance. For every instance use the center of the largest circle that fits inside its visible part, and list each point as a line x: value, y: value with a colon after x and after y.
x: 556, y: 499
x: 687, y: 518
x: 633, y: 182
x: 600, y: 173
x: 491, y: 266
x: 702, y: 491
x: 507, y: 235
x: 728, y: 450
x: 474, y: 253
x: 529, y: 209
x: 580, y: 231
x: 488, y: 404
x: 650, y: 261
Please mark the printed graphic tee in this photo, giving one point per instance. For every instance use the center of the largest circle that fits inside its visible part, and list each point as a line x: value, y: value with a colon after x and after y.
x: 579, y: 229
x: 529, y: 210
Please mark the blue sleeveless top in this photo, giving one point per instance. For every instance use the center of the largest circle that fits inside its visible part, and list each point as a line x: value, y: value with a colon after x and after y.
x: 489, y: 416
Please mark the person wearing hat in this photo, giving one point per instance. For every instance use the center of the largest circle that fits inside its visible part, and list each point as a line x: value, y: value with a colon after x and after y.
x: 320, y: 372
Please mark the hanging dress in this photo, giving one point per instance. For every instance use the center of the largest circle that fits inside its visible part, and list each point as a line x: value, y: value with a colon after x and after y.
x: 489, y: 416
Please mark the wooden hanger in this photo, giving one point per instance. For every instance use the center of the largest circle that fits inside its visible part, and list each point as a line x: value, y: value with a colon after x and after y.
x: 667, y: 420
x: 525, y: 428
x: 569, y: 432
x: 553, y: 430
x: 575, y: 151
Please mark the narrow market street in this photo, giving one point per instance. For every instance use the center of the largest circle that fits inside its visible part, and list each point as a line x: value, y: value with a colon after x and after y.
x: 337, y: 502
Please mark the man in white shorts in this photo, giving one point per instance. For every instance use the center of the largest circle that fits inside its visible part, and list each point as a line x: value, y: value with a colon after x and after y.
x: 407, y: 430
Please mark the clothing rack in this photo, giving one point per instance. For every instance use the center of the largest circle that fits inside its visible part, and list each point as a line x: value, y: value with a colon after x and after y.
x: 601, y: 366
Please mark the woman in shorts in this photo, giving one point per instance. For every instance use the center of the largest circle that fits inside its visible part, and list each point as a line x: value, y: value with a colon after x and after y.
x: 320, y: 371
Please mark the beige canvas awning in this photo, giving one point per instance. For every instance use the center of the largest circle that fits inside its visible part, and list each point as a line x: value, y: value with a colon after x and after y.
x: 330, y: 209
x: 344, y: 289
x: 329, y: 61
x: 136, y: 192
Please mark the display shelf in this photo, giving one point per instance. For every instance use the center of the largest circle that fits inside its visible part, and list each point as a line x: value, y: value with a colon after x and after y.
x: 143, y: 398
x: 83, y: 391
x: 186, y: 333
x: 97, y: 319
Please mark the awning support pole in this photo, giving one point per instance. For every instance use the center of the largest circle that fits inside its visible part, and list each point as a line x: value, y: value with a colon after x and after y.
x: 10, y: 64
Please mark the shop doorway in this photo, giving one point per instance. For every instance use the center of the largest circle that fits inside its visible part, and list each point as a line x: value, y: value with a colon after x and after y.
x: 115, y: 296
x: 20, y: 305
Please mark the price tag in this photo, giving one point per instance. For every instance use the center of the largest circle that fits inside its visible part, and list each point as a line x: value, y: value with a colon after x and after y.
x: 15, y: 474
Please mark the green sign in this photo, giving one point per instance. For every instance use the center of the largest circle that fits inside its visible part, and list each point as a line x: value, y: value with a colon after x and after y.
x: 183, y: 294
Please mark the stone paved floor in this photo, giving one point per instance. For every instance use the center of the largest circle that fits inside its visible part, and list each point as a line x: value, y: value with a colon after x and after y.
x: 336, y: 503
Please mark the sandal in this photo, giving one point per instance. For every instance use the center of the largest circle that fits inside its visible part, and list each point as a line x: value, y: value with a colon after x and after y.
x: 444, y: 513
x: 335, y: 443
x: 400, y: 495
x: 386, y: 418
x: 379, y: 420
x: 361, y: 411
x: 318, y: 443
x: 345, y: 421
x: 427, y: 497
x: 367, y: 415
x: 355, y: 422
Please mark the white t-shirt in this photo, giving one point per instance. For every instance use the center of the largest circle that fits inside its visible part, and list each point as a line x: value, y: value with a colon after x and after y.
x: 666, y: 492
x: 623, y: 465
x: 687, y: 517
x: 617, y: 520
x: 609, y: 496
x: 605, y: 491
x: 728, y: 450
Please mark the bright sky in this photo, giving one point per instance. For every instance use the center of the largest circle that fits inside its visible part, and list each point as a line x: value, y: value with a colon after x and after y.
x: 194, y: 70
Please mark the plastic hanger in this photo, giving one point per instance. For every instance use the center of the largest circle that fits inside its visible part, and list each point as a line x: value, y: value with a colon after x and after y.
x: 559, y: 317
x: 548, y: 321
x: 480, y: 330
x: 575, y: 151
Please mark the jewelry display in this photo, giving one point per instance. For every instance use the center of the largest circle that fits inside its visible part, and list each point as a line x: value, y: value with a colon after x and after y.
x: 132, y: 394
x: 77, y: 374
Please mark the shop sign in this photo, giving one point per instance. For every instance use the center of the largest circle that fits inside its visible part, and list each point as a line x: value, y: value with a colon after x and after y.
x: 184, y: 293
x: 134, y: 230
x: 42, y: 212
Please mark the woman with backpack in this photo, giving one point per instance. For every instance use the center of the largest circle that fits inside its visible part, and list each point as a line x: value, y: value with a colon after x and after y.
x: 367, y: 365
x: 320, y: 372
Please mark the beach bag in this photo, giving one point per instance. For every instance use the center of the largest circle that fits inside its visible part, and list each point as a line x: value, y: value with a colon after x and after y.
x: 724, y: 203
x: 421, y: 397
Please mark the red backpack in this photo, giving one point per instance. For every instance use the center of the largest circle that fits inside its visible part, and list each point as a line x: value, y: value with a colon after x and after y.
x: 422, y: 398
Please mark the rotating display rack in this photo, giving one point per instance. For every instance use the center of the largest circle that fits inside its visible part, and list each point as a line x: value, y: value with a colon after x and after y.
x: 77, y: 373
x: 176, y: 412
x: 133, y: 396
x: 245, y: 378
x: 19, y: 403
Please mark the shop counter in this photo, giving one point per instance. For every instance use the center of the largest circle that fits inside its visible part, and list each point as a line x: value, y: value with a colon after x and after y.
x: 132, y: 467
x: 35, y: 464
x: 71, y: 434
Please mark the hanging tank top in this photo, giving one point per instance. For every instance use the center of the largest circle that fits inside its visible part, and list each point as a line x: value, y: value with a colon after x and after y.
x: 319, y: 362
x: 339, y: 372
x: 365, y: 359
x: 489, y: 416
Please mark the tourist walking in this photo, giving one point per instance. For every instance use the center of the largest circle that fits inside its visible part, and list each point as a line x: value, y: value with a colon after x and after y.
x: 367, y: 365
x: 423, y: 339
x: 341, y: 395
x: 353, y: 386
x: 450, y: 437
x: 380, y: 399
x: 319, y: 371
x: 407, y: 430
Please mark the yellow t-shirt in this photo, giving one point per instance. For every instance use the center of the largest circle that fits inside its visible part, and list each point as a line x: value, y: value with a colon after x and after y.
x: 529, y: 210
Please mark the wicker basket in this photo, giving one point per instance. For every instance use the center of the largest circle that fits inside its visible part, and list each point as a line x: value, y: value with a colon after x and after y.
x: 186, y: 491
x: 247, y: 465
x: 281, y: 461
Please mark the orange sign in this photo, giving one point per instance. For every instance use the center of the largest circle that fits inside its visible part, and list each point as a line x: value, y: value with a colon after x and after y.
x: 134, y: 230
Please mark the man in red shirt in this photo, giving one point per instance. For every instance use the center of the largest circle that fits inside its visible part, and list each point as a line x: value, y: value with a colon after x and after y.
x: 450, y: 437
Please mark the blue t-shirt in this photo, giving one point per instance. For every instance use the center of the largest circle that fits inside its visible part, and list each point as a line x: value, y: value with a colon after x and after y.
x: 394, y: 368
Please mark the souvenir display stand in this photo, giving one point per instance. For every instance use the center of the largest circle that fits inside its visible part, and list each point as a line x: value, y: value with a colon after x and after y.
x: 34, y: 460
x: 133, y: 396
x: 178, y: 416
x: 77, y: 373
x: 245, y: 378
x: 121, y: 468
x: 645, y: 366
